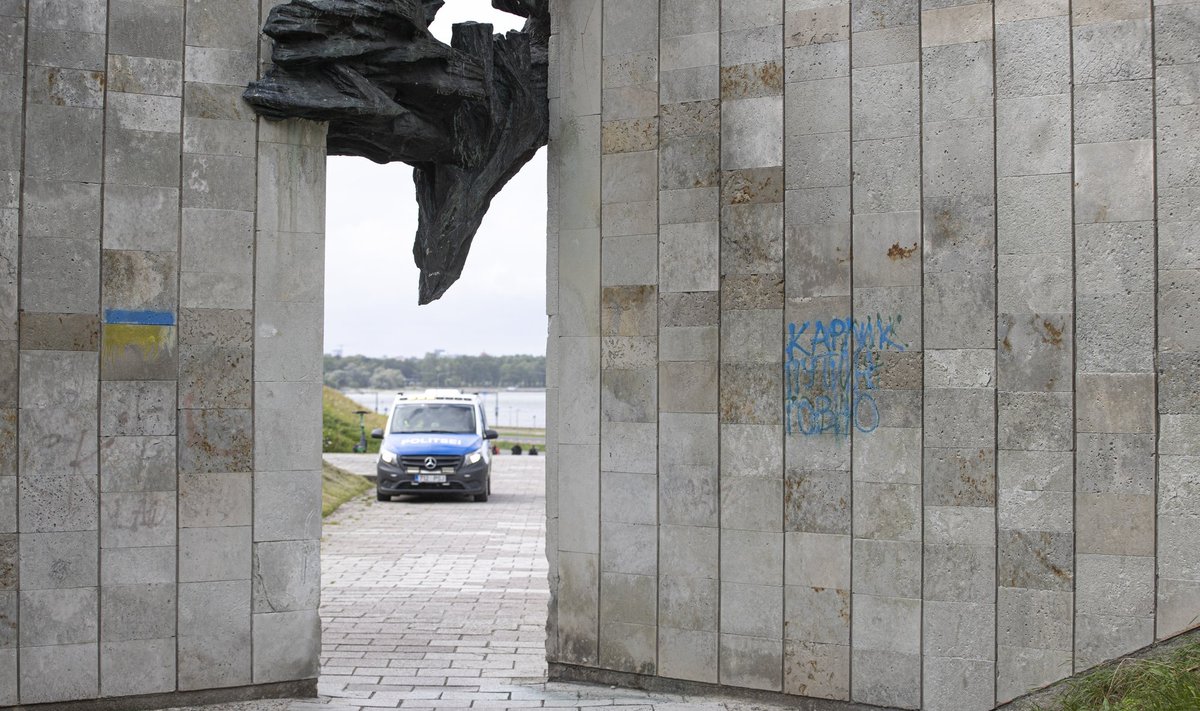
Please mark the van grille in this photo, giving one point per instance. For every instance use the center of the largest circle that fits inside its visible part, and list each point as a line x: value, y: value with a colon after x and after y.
x: 443, y: 461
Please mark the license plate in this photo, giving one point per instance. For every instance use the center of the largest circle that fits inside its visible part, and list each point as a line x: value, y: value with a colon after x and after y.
x: 431, y: 478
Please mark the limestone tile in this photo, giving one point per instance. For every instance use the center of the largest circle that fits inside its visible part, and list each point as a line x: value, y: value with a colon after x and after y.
x: 1020, y: 670
x: 884, y: 249
x: 578, y: 607
x: 629, y: 219
x: 1177, y: 372
x: 137, y: 519
x: 629, y: 69
x: 137, y: 612
x: 1178, y: 486
x: 818, y: 670
x: 1176, y: 547
x: 285, y: 505
x: 688, y: 343
x: 958, y: 160
x: 689, y: 162
x: 752, y: 133
x: 886, y: 568
x: 8, y: 504
x: 688, y: 387
x: 1039, y: 560
x: 145, y: 75
x: 887, y: 511
x: 137, y: 566
x: 287, y: 346
x: 143, y: 28
x: 957, y: 77
x: 1112, y: 51
x: 290, y: 265
x: 751, y: 662
x: 286, y: 576
x: 952, y: 683
x: 885, y: 677
x: 144, y: 666
x: 45, y: 156
x: 868, y: 15
x: 958, y: 573
x: 1034, y: 619
x: 1115, y: 259
x: 752, y: 557
x: 139, y: 157
x: 8, y: 626
x: 629, y: 498
x: 751, y: 504
x: 1177, y: 291
x: 227, y: 24
x: 1175, y: 40
x: 1176, y: 609
x: 962, y: 630
x: 1035, y: 133
x: 894, y: 45
x: 8, y: 562
x: 214, y: 634
x: 54, y: 332
x: 61, y: 209
x: 60, y: 276
x: 687, y: 654
x: 628, y: 548
x: 1104, y: 196
x: 628, y: 447
x: 218, y: 66
x: 214, y: 554
x: 214, y: 377
x: 208, y: 500
x: 282, y: 438
x: 889, y: 177
x: 686, y: 206
x: 226, y: 183
x: 688, y: 551
x: 960, y: 417
x: 140, y: 217
x: 1115, y: 402
x: 1036, y: 351
x: 137, y: 408
x: 817, y: 160
x: 751, y: 610
x: 628, y: 260
x: 886, y: 101
x: 1109, y: 463
x: 58, y: 617
x: 65, y: 87
x: 683, y: 602
x: 889, y: 624
x: 1099, y: 638
x: 579, y: 492
x: 66, y: 49
x: 1034, y: 205
x: 59, y: 673
x: 1036, y: 510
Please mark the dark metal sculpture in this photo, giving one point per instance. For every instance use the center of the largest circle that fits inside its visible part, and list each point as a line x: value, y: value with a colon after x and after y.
x: 466, y: 116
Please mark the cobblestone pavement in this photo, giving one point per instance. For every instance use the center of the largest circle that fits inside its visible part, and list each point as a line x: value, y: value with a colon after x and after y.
x: 441, y: 604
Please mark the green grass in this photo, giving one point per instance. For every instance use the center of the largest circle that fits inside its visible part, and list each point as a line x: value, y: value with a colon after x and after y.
x: 339, y: 486
x: 1169, y: 683
x: 341, y: 424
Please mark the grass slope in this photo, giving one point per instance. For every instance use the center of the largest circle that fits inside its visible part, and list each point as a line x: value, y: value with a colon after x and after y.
x: 339, y: 486
x: 1170, y: 682
x: 340, y: 424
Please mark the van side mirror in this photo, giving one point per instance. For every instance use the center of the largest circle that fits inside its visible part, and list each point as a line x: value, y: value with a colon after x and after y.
x: 491, y: 434
x: 377, y: 433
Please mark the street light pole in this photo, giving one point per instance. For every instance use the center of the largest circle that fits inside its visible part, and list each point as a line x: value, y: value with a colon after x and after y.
x: 361, y: 447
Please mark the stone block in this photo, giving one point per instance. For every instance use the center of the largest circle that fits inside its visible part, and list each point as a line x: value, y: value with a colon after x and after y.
x: 66, y: 49
x: 1038, y: 560
x: 225, y: 183
x: 59, y: 673
x: 1175, y: 40
x: 687, y: 654
x: 216, y: 137
x: 60, y: 276
x: 631, y: 599
x: 207, y: 290
x: 750, y: 394
x: 1109, y: 463
x: 8, y: 562
x: 208, y: 500
x: 959, y: 158
x: 214, y: 554
x: 890, y: 624
x: 963, y: 630
x: 1178, y: 486
x: 1035, y: 421
x: 628, y: 548
x: 689, y: 162
x: 886, y: 249
x: 885, y: 677
x: 815, y: 501
x: 752, y: 557
x: 1035, y: 133
x: 1177, y: 541
x: 689, y: 257
x: 1113, y: 51
x: 287, y: 646
x: 215, y: 377
x: 1177, y: 330
x: 751, y: 662
x: 1115, y: 402
x: 887, y: 511
x: 281, y: 438
x: 44, y: 154
x: 137, y: 352
x: 688, y: 387
x: 751, y: 610
x: 628, y: 260
x: 957, y: 77
x: 287, y: 347
x: 1099, y: 638
x: 751, y: 504
x: 1177, y: 375
x: 817, y: 560
x: 629, y: 219
x: 960, y: 417
x: 629, y: 498
x: 145, y: 75
x: 135, y: 566
x: 689, y: 206
x: 287, y: 576
x: 56, y: 561
x: 578, y: 610
x: 683, y: 602
x: 51, y: 86
x: 62, y: 209
x: 1032, y: 56
x: 959, y: 573
x: 214, y: 634
x: 818, y: 160
x: 1128, y: 345
x: 889, y: 177
x: 226, y: 24
x: 1026, y: 510
x: 59, y: 332
x: 1115, y: 259
x: 286, y: 505
x: 144, y: 28
x: 1104, y: 196
x: 1037, y: 619
x: 58, y: 617
x: 886, y: 101
x: 1034, y: 214
x: 956, y: 23
x: 137, y: 612
x: 8, y: 625
x: 1177, y: 601
x: 8, y: 509
x: 868, y: 15
x: 1115, y: 524
x: 579, y: 283
x: 147, y: 158
x: 144, y: 666
x: 137, y: 519
x: 632, y: 69
x: 752, y: 133
x: 579, y: 497
x: 1021, y: 670
x: 688, y: 551
x: 887, y: 568
x: 1114, y: 111
x: 1035, y: 352
x: 141, y: 218
x: 137, y: 407
x: 218, y: 66
x: 952, y: 683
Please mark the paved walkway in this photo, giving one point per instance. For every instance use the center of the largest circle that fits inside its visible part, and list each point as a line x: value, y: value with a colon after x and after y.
x: 441, y: 604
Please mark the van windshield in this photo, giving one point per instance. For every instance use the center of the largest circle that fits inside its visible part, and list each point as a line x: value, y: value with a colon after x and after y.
x: 433, y: 418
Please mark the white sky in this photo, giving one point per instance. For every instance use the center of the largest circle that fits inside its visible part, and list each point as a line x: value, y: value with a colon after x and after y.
x: 496, y: 307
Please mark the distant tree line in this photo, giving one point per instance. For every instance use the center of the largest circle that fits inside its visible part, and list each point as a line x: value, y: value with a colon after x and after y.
x: 434, y: 370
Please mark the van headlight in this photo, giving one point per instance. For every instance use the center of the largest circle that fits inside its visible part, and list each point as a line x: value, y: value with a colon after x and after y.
x: 387, y: 457
x: 475, y: 457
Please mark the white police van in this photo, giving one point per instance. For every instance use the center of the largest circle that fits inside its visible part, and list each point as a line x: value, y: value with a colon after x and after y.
x: 435, y: 442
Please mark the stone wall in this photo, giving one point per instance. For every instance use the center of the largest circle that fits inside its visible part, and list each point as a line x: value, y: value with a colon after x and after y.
x: 873, y: 342
x: 161, y: 266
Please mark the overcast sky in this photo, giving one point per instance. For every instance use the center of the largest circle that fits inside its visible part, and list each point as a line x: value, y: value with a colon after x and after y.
x: 497, y: 307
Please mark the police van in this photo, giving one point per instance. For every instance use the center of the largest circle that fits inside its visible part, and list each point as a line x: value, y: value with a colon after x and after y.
x: 435, y: 442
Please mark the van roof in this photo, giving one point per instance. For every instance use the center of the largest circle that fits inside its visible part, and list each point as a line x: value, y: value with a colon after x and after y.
x: 446, y: 394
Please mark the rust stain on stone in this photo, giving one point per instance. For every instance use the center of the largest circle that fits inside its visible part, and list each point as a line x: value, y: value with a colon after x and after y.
x: 1007, y: 344
x: 897, y: 253
x: 1054, y: 336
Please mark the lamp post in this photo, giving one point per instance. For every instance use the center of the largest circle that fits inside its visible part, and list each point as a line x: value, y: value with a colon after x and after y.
x: 361, y: 447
